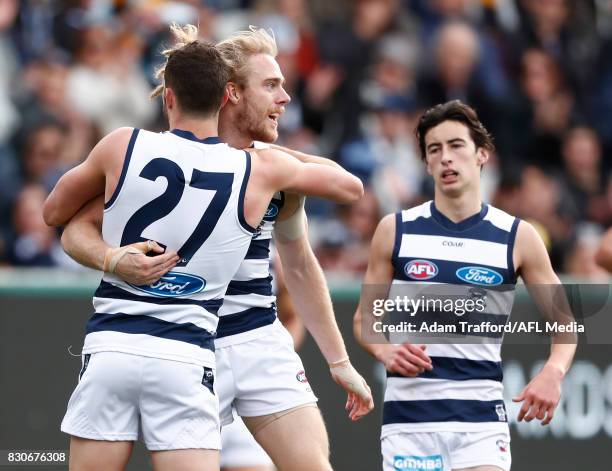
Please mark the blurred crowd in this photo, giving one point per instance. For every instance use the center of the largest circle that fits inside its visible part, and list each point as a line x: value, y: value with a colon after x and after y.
x: 539, y: 73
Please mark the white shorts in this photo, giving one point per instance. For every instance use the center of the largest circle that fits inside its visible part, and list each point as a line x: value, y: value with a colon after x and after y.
x: 261, y: 376
x: 169, y: 404
x: 445, y: 451
x: 240, y: 449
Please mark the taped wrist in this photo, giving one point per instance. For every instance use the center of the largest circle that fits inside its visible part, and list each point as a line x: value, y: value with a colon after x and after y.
x: 113, y: 256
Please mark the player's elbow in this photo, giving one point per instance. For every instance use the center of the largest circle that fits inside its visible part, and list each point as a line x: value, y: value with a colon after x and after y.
x: 351, y: 190
x: 52, y: 214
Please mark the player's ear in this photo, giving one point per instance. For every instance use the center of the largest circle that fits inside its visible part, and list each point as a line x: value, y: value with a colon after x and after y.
x: 233, y: 92
x: 169, y: 99
x: 224, y: 99
x: 482, y: 155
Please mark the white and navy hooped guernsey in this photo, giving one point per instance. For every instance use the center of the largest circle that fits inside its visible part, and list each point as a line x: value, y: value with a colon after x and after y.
x: 187, y: 194
x: 250, y: 304
x: 464, y: 390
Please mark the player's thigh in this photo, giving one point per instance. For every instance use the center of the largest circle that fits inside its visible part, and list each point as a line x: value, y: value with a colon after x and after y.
x: 97, y: 455
x: 240, y: 451
x: 296, y: 439
x: 185, y: 460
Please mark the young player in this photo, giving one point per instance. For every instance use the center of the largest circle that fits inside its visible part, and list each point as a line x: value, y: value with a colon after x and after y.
x: 443, y: 405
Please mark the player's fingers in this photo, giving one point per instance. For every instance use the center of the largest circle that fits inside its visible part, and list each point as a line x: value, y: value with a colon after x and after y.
x: 541, y: 413
x: 418, y: 362
x: 549, y: 416
x: 144, y: 247
x: 524, y: 409
x: 416, y: 351
x: 155, y: 247
x: 405, y: 368
x: 519, y: 398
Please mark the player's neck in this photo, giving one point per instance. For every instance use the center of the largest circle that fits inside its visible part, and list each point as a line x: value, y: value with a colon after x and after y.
x: 234, y: 137
x: 200, y: 127
x: 460, y: 207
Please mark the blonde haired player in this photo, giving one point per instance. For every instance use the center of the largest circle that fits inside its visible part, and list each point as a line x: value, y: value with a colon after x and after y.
x: 259, y: 373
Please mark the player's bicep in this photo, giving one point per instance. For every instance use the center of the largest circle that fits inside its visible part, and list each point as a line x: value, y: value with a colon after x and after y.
x: 313, y: 179
x: 534, y: 264
x: 72, y: 191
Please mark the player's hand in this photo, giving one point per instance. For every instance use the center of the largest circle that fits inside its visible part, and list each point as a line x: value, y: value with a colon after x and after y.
x: 131, y: 263
x: 359, y: 401
x: 541, y: 396
x: 406, y: 359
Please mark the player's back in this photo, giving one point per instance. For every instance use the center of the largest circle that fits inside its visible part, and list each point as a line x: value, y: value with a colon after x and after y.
x: 188, y: 195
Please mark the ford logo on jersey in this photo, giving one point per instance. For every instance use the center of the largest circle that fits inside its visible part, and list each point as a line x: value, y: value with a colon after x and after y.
x: 174, y: 284
x: 480, y: 276
x: 421, y: 270
x: 271, y: 212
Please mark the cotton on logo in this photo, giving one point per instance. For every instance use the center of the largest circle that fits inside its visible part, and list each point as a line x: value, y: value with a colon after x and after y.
x: 421, y: 270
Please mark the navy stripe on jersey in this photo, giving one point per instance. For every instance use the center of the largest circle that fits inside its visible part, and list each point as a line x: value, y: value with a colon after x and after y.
x: 192, y: 137
x: 443, y: 410
x: 460, y: 369
x: 108, y: 290
x: 126, y: 163
x: 259, y: 249
x: 247, y: 175
x: 485, y: 230
x: 462, y: 225
x: 447, y: 273
x: 244, y: 321
x: 261, y: 286
x: 140, y: 324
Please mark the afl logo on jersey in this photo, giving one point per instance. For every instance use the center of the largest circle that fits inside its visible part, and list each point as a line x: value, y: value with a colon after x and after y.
x: 271, y: 212
x: 479, y: 276
x: 420, y: 270
x: 301, y: 376
x: 174, y: 284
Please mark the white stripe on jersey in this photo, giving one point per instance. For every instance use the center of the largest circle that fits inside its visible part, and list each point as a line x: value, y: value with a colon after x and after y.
x: 474, y: 251
x: 431, y: 389
x: 253, y: 269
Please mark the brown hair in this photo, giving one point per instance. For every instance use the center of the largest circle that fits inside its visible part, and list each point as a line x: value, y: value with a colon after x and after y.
x: 453, y: 111
x: 195, y: 71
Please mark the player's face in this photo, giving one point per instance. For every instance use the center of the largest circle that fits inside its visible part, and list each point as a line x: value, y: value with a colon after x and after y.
x: 452, y: 158
x: 263, y: 100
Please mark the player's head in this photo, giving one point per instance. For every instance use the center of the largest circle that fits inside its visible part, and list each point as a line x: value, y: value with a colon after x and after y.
x: 256, y: 97
x: 454, y: 145
x: 194, y: 77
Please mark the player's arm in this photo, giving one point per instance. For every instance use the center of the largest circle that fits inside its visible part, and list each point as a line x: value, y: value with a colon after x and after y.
x: 285, y: 172
x: 82, y: 240
x: 87, y: 180
x: 603, y: 256
x: 541, y: 396
x: 286, y: 311
x: 307, y: 158
x: 406, y: 359
x: 308, y: 289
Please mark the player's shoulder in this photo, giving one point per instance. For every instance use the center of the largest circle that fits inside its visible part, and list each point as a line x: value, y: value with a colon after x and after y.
x: 501, y: 219
x: 412, y: 214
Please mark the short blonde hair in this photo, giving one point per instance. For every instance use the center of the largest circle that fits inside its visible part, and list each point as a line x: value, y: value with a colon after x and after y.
x: 182, y: 36
x: 237, y: 49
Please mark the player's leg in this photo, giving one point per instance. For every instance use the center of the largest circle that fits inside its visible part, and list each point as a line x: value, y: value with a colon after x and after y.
x: 271, y: 392
x: 417, y: 450
x: 296, y: 439
x: 180, y: 416
x: 185, y: 460
x: 240, y: 451
x: 86, y: 455
x: 482, y: 451
x: 102, y: 414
